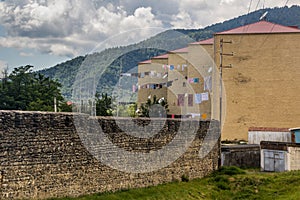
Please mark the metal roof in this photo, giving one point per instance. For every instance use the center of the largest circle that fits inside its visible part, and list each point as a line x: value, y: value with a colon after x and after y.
x: 145, y: 62
x: 268, y: 129
x: 261, y: 27
x: 183, y: 50
x: 294, y: 129
x: 277, y: 145
x: 204, y: 42
x: 164, y: 56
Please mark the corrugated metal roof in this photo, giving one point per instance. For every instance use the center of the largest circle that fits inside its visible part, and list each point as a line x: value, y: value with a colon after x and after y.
x: 145, y: 62
x: 277, y: 145
x: 164, y: 56
x: 241, y: 146
x: 268, y: 129
x: 294, y: 129
x: 204, y: 42
x: 183, y: 50
x: 261, y: 27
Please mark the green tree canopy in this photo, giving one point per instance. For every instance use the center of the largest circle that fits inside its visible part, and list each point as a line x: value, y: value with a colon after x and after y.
x: 155, y: 108
x: 104, y: 105
x: 24, y: 89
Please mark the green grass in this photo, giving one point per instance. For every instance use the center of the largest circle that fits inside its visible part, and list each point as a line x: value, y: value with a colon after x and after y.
x: 227, y: 183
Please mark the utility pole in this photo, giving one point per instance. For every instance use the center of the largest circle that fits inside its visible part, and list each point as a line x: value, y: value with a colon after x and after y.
x: 222, y: 42
x: 119, y: 86
x: 55, y: 104
x: 93, y: 110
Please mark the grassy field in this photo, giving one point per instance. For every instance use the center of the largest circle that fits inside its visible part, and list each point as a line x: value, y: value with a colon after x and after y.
x: 227, y: 183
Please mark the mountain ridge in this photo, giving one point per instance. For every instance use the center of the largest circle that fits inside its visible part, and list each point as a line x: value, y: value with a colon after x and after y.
x: 122, y: 59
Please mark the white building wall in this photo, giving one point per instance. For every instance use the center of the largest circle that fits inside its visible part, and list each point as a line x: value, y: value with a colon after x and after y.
x: 294, y: 158
x: 255, y: 137
x: 274, y: 160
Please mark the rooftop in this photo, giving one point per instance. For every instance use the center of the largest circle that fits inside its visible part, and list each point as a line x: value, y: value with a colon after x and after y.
x: 295, y: 129
x: 268, y: 129
x: 183, y: 50
x: 261, y: 27
x: 145, y: 62
x: 204, y: 42
x: 164, y: 56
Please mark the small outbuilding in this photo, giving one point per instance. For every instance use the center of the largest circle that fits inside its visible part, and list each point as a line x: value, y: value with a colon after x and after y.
x: 240, y: 155
x: 258, y: 134
x: 280, y: 156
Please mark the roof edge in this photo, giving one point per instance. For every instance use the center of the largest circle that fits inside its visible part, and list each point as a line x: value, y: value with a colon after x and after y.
x: 269, y: 129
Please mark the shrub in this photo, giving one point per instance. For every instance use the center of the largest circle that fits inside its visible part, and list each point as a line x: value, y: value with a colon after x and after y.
x: 223, y: 186
x: 231, y: 171
x: 185, y: 178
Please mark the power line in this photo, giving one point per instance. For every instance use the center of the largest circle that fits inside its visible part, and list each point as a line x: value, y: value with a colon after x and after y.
x: 286, y: 3
x: 273, y: 26
x: 250, y: 6
x: 257, y: 5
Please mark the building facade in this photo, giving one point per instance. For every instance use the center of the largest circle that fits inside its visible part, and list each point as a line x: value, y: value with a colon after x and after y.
x: 262, y: 86
x: 280, y: 156
x: 260, y: 74
x: 182, y: 78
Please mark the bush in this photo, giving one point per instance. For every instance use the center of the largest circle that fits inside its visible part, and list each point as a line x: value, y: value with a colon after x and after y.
x: 230, y: 171
x: 185, y: 178
x: 221, y: 178
x: 223, y: 186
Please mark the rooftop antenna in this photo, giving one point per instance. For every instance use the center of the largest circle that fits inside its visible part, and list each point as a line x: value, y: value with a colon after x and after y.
x: 264, y: 16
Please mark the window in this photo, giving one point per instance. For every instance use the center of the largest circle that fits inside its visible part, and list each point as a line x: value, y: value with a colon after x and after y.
x: 190, y: 100
x: 180, y: 100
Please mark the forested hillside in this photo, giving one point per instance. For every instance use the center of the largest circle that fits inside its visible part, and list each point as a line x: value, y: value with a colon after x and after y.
x: 121, y: 59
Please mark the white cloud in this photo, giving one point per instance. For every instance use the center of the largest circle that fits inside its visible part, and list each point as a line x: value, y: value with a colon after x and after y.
x: 183, y: 20
x: 74, y: 27
x: 67, y: 27
x: 26, y: 54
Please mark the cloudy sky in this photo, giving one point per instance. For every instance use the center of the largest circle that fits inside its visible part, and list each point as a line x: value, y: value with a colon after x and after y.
x: 46, y: 32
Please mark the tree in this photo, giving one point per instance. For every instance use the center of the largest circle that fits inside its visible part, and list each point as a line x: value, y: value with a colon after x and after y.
x: 155, y: 108
x: 24, y: 89
x: 128, y: 110
x: 104, y: 104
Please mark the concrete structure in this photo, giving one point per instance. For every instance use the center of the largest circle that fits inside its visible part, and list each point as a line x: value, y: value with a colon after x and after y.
x: 42, y: 154
x: 182, y: 77
x: 258, y: 134
x: 262, y: 87
x: 149, y: 71
x: 240, y: 155
x: 280, y: 156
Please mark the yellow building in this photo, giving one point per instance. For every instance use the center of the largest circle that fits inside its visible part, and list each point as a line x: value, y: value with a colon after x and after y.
x: 261, y: 78
x: 152, y: 75
x: 263, y: 84
x: 179, y: 77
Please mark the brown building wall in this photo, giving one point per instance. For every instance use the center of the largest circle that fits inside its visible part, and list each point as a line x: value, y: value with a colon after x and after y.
x: 262, y: 87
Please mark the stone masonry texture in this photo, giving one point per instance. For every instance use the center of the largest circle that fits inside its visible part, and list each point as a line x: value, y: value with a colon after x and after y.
x: 42, y: 156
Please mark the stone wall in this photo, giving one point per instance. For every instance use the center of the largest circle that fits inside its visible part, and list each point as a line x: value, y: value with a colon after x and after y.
x: 42, y: 155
